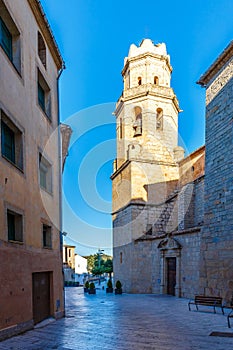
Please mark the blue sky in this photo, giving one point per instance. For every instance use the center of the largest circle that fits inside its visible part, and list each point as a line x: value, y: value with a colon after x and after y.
x: 94, y: 37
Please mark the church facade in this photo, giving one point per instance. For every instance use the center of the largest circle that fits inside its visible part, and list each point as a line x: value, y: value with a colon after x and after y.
x: 160, y: 199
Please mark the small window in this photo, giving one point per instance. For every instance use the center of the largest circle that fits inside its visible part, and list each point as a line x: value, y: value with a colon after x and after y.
x: 14, y: 226
x: 10, y: 37
x: 138, y: 121
x: 159, y: 119
x: 45, y: 173
x: 156, y: 80
x: 11, y: 142
x: 47, y: 236
x: 44, y: 95
x: 120, y: 129
x: 41, y: 49
x: 139, y: 81
x: 121, y: 257
x: 66, y: 257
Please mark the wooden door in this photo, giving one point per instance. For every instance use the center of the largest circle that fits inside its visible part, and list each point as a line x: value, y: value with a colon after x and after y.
x: 171, y: 275
x: 41, y: 296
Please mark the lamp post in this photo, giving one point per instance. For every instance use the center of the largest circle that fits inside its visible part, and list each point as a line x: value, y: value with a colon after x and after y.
x: 99, y: 253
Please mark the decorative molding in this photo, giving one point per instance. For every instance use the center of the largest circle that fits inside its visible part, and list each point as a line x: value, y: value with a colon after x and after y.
x: 169, y: 243
x: 218, y: 84
x: 218, y: 64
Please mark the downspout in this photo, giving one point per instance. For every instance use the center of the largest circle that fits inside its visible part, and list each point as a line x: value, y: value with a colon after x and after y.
x: 60, y: 176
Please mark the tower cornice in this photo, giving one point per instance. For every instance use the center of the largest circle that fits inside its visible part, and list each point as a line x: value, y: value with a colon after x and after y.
x: 145, y: 55
x: 141, y: 160
x: 147, y: 90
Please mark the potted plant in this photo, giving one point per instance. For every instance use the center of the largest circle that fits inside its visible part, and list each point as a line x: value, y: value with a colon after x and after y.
x: 118, y: 289
x: 86, y: 287
x: 109, y: 288
x: 92, y: 289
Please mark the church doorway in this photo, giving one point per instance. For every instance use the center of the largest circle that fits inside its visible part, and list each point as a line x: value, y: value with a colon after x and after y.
x: 170, y: 266
x: 171, y: 276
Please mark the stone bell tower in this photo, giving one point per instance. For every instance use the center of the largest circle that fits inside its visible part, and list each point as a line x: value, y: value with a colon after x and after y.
x: 147, y: 152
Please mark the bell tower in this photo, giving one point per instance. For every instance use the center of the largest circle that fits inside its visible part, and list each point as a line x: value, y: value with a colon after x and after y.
x: 147, y: 135
x: 147, y: 123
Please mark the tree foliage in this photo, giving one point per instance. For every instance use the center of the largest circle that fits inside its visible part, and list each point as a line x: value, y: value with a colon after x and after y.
x: 98, y: 264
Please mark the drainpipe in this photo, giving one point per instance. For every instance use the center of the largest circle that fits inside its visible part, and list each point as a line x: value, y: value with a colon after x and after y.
x: 60, y: 176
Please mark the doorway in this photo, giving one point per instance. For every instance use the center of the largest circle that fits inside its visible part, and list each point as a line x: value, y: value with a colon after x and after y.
x: 171, y: 276
x: 41, y: 296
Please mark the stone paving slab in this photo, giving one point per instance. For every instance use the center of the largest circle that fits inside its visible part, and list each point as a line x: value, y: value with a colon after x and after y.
x: 125, y: 322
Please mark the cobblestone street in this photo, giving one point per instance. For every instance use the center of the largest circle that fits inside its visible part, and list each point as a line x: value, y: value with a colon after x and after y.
x: 126, y: 321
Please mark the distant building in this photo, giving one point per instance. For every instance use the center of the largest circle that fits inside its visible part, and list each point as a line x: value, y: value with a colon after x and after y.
x: 80, y: 269
x: 80, y: 264
x: 172, y: 216
x: 74, y: 265
x: 69, y: 262
x: 69, y: 255
x: 30, y: 169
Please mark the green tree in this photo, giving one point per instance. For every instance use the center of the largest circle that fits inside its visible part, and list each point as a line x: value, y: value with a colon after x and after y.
x: 91, y: 262
x: 98, y: 264
x: 108, y: 266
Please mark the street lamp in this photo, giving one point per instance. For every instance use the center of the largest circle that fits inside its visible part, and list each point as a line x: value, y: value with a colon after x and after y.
x: 99, y: 253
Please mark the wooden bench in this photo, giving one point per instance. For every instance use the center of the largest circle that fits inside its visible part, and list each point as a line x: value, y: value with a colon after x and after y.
x: 207, y: 301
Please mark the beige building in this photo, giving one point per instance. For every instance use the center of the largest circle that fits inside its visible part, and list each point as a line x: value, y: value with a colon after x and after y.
x: 69, y: 255
x: 69, y: 262
x: 30, y: 169
x: 80, y: 264
x: 172, y: 216
x: 74, y: 265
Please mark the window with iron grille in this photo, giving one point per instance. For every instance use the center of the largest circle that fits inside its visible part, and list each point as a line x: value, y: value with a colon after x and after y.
x: 45, y: 173
x: 44, y: 95
x: 47, y: 236
x: 14, y: 226
x: 41, y: 49
x: 11, y: 141
x: 10, y: 37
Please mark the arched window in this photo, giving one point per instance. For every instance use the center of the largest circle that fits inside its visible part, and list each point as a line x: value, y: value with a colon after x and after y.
x: 156, y: 80
x: 139, y: 80
x: 120, y: 129
x: 41, y: 49
x: 138, y: 121
x: 159, y: 119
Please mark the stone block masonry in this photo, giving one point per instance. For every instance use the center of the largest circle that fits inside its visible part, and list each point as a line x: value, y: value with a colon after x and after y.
x: 217, y: 239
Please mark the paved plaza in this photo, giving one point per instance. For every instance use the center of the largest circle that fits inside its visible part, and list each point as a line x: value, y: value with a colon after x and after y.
x: 125, y: 322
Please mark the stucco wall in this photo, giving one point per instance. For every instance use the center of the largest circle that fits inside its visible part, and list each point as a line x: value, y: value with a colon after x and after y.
x: 19, y: 188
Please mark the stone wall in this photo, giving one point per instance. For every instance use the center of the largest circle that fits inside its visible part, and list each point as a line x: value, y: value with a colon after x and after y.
x: 217, y: 240
x: 190, y: 261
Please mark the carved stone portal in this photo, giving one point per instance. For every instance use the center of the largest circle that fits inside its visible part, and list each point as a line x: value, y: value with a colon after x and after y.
x: 170, y: 248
